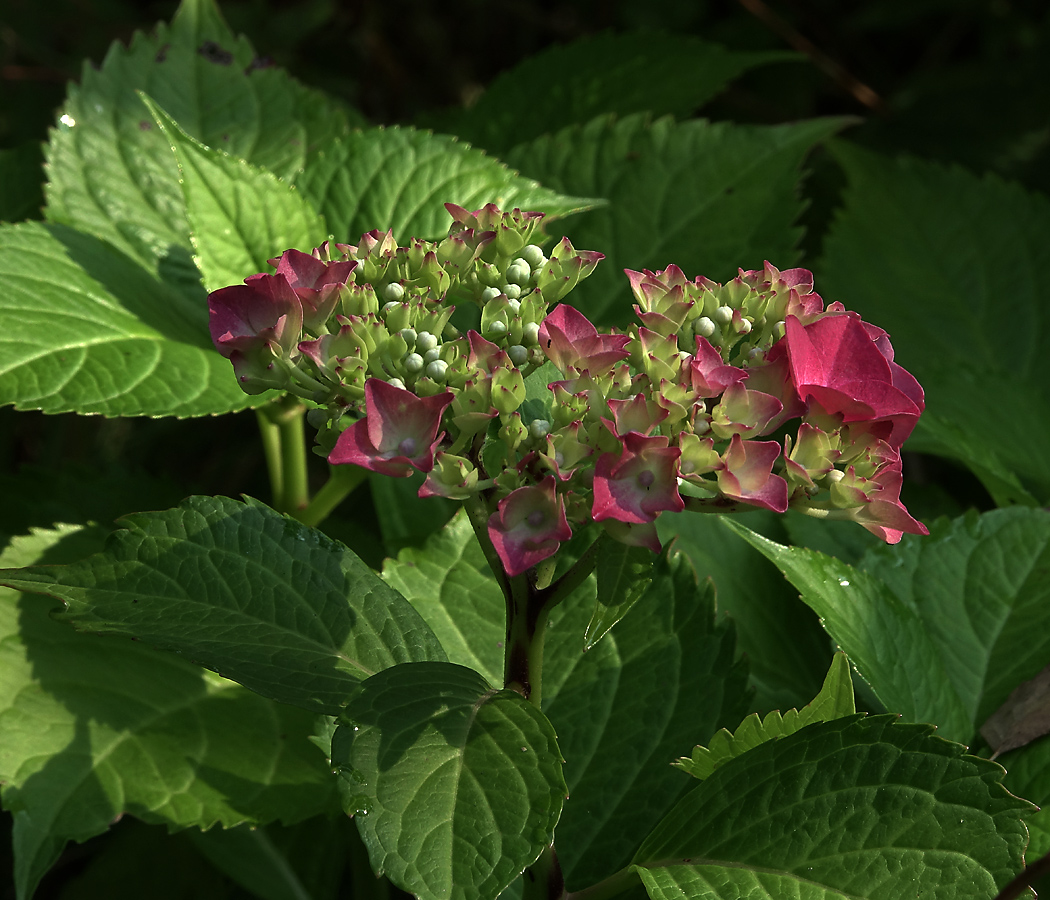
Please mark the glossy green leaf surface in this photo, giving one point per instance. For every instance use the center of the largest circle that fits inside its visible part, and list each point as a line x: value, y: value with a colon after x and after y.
x: 456, y: 786
x: 624, y: 574
x: 662, y: 74
x: 787, y: 650
x: 110, y: 168
x: 942, y: 627
x: 401, y: 178
x: 87, y: 329
x: 930, y: 253
x: 240, y: 216
x: 834, y: 701
x: 244, y: 591
x: 98, y: 726
x: 708, y: 197
x: 853, y: 808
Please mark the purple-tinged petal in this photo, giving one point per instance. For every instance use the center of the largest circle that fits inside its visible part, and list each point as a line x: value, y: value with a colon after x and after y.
x: 638, y: 483
x: 746, y: 474
x: 529, y: 526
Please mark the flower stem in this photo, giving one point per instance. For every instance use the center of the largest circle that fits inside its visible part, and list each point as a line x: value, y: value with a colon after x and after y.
x: 271, y: 441
x: 342, y: 480
x: 285, y: 446
x: 523, y: 652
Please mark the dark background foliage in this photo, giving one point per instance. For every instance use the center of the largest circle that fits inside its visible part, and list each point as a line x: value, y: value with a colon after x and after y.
x: 962, y: 81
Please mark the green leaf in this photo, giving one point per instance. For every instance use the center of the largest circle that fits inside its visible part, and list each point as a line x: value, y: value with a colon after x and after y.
x: 607, y: 73
x: 95, y: 727
x: 1028, y: 776
x: 452, y: 588
x: 853, y: 808
x: 401, y: 178
x: 239, y: 215
x: 456, y: 786
x: 834, y: 701
x: 952, y: 266
x: 708, y: 197
x: 664, y: 679
x: 85, y: 329
x: 624, y: 575
x: 246, y: 592
x: 112, y: 173
x: 942, y: 627
x: 786, y: 649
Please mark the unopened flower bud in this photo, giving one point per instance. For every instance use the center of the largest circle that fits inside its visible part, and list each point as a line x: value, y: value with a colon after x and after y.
x: 835, y: 476
x: 512, y: 291
x: 432, y: 354
x: 426, y: 341
x: 743, y: 327
x: 518, y: 354
x: 779, y: 330
x: 533, y: 255
x: 723, y: 315
x: 704, y: 327
x: 437, y: 370
x: 531, y: 333
x: 497, y: 328
x: 490, y: 293
x: 396, y: 382
x: 539, y: 429
x: 414, y: 363
x: 393, y: 292
x: 519, y: 272
x: 514, y: 306
x: 409, y: 335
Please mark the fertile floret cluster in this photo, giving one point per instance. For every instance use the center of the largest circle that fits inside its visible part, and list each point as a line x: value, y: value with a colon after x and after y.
x: 744, y: 394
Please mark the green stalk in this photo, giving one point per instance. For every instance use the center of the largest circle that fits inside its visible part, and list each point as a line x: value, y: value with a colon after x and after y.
x: 341, y: 481
x: 285, y: 446
x: 271, y: 441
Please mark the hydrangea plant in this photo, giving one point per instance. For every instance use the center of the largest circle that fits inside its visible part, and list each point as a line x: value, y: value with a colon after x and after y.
x: 527, y: 690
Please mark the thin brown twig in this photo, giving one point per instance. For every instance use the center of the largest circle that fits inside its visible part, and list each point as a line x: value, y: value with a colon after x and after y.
x: 848, y: 82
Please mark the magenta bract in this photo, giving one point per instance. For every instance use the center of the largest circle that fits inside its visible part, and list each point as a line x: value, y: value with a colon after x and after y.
x: 399, y: 432
x: 529, y: 526
x: 837, y: 362
x: 570, y: 341
x: 636, y: 484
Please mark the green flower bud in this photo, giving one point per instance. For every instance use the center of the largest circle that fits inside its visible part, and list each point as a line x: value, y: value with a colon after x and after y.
x: 393, y: 292
x: 742, y: 327
x: 533, y: 255
x: 723, y: 315
x: 432, y: 354
x: 704, y: 327
x: 409, y: 334
x: 413, y: 363
x: 519, y: 273
x: 425, y: 341
x: 437, y: 370
x: 396, y: 382
x: 512, y: 291
x: 539, y: 429
x: 490, y: 293
x: 531, y: 333
x: 518, y: 354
